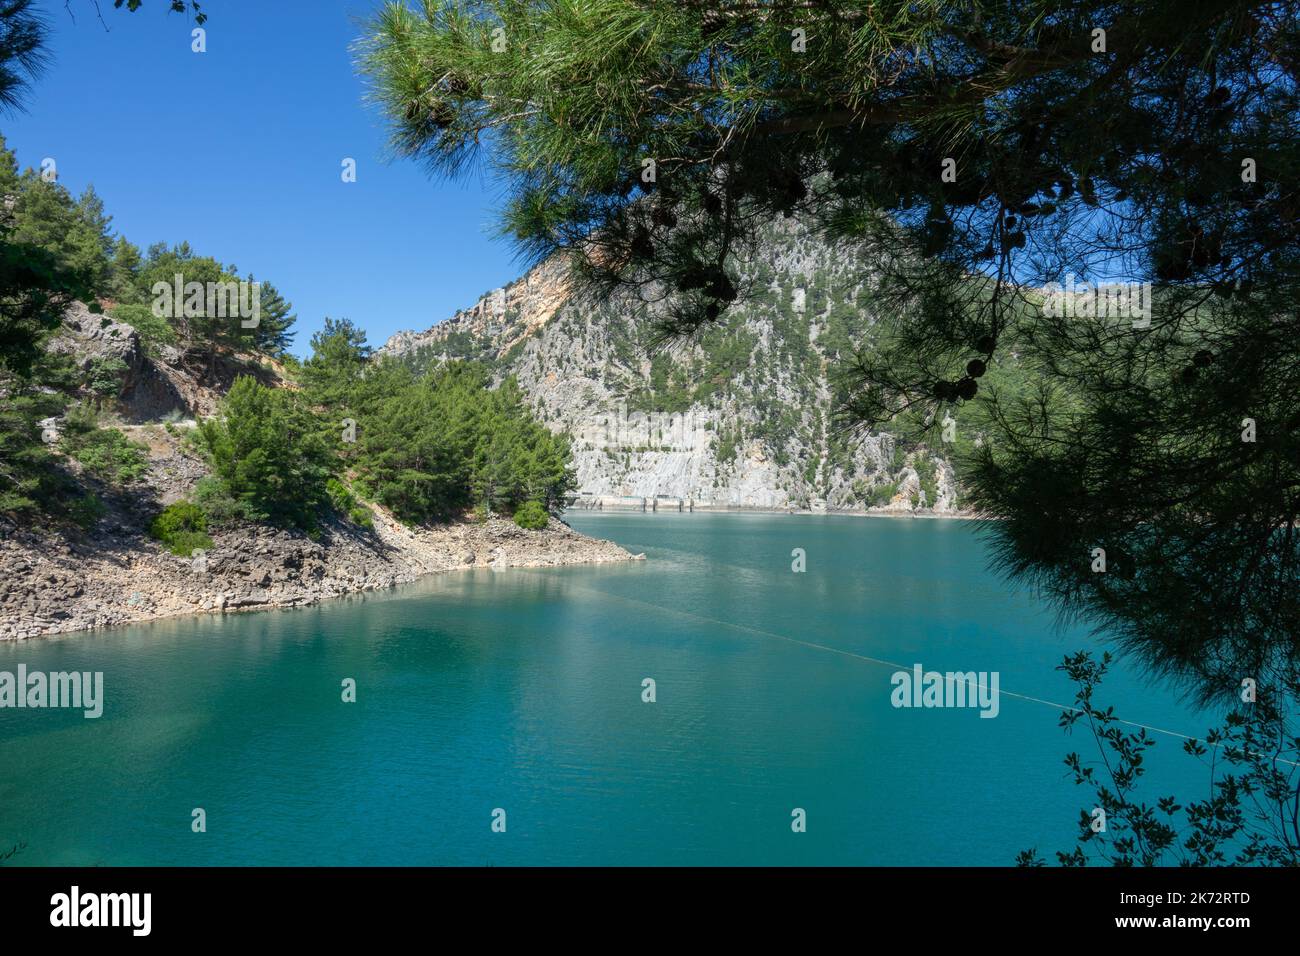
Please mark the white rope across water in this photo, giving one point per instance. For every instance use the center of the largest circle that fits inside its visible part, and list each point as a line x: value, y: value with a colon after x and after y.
x: 904, y: 667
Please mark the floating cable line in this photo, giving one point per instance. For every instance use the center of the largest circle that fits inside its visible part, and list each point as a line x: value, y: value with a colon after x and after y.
x: 896, y: 666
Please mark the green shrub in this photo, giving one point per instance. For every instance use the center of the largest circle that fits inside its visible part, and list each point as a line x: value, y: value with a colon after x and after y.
x: 179, y: 516
x: 341, y: 497
x: 105, y: 453
x: 154, y: 330
x: 182, y: 527
x: 220, y: 506
x: 105, y: 375
x: 531, y: 515
x: 726, y: 445
x: 881, y: 495
x: 185, y: 543
x: 343, y: 500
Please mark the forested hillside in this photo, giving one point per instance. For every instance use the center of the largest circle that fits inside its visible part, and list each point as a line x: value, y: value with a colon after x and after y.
x: 103, y: 339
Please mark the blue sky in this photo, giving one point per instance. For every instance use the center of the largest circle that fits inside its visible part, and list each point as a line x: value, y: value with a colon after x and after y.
x: 239, y: 151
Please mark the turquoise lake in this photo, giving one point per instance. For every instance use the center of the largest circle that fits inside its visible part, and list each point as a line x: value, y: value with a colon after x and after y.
x: 522, y: 690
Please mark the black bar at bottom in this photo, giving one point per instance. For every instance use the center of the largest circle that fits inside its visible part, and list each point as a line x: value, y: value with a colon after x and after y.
x: 331, y: 905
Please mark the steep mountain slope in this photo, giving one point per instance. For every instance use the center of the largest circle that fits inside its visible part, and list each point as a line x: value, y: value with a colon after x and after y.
x: 739, y: 418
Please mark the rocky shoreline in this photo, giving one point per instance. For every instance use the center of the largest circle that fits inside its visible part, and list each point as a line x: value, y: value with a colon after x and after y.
x: 886, y: 512
x: 56, y: 583
x: 56, y: 579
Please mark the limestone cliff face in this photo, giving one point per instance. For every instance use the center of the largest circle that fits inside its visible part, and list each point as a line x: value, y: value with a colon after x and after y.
x: 740, y: 418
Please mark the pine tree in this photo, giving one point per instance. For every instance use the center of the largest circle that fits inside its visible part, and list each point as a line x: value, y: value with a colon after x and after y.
x: 977, y: 152
x: 124, y: 272
x: 339, y: 354
x: 269, y: 452
x: 272, y: 335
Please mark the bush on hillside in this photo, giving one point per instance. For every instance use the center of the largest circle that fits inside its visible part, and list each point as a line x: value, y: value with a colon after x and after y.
x: 531, y: 515
x: 105, y: 453
x: 182, y: 528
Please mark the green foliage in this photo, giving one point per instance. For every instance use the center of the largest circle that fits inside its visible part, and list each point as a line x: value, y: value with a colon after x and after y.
x: 275, y: 319
x: 463, y: 344
x: 182, y: 528
x: 1247, y: 817
x: 430, y: 447
x: 72, y: 232
x: 726, y: 445
x: 194, y: 319
x: 668, y: 391
x: 338, y: 359
x: 269, y: 453
x: 185, y: 543
x: 28, y: 478
x: 340, y: 497
x: 156, y: 283
x: 154, y: 331
x: 532, y: 515
x: 105, y: 453
x: 433, y: 442
x: 220, y: 506
x: 878, y: 496
x: 177, y: 517
x: 810, y: 470
x: 124, y: 273
x: 344, y: 501
x: 105, y: 375
x: 23, y: 33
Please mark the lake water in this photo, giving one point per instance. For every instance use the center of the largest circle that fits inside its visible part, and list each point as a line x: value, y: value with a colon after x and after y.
x: 522, y: 690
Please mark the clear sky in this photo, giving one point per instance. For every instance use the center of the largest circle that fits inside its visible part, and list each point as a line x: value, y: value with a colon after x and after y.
x: 239, y: 151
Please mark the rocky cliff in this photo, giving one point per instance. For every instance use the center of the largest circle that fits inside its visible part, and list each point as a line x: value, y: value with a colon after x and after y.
x: 149, y: 387
x: 739, y: 418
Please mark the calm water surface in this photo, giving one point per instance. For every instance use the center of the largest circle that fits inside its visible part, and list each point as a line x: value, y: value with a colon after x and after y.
x: 522, y: 690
